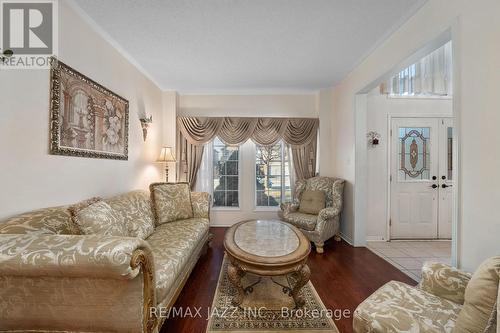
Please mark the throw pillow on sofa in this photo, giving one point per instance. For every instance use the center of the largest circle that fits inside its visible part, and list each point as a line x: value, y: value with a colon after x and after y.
x: 312, y: 202
x: 171, y: 202
x: 479, y: 312
x: 75, y: 208
x: 100, y: 219
x: 135, y: 208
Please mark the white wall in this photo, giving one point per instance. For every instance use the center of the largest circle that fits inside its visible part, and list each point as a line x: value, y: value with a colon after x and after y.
x: 324, y: 107
x: 477, y: 53
x: 29, y: 176
x: 294, y: 105
x: 169, y: 103
x: 379, y: 107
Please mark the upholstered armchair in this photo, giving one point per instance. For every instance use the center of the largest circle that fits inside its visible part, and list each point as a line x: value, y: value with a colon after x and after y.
x: 446, y: 300
x: 324, y: 225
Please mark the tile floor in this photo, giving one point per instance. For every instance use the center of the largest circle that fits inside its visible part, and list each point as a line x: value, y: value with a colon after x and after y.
x: 408, y: 256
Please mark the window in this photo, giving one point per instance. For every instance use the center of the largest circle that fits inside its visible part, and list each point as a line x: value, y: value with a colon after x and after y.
x: 225, y: 174
x: 414, y: 153
x: 272, y: 175
x: 430, y: 76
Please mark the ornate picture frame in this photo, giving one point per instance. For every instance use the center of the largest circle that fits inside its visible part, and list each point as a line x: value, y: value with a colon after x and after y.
x: 86, y: 119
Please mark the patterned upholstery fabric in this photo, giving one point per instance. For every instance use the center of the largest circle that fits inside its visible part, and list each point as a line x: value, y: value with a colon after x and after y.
x: 289, y: 207
x: 327, y: 223
x: 200, y: 202
x: 172, y: 245
x: 100, y: 219
x: 479, y: 312
x: 135, y: 208
x: 52, y: 221
x: 302, y: 220
x: 398, y: 307
x: 436, y: 304
x: 75, y: 208
x: 95, y: 283
x: 96, y: 256
x: 444, y: 281
x: 70, y: 283
x: 66, y: 304
x: 171, y: 202
x: 312, y: 202
x: 324, y: 184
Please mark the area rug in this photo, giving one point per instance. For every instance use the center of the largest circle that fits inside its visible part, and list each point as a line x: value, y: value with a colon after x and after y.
x: 267, y: 308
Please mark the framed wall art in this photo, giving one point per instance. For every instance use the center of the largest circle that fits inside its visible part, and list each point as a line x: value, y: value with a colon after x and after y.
x: 86, y: 119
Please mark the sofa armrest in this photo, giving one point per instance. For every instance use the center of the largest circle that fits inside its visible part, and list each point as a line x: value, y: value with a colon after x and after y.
x: 201, y: 202
x: 444, y: 281
x: 119, y: 268
x: 95, y: 256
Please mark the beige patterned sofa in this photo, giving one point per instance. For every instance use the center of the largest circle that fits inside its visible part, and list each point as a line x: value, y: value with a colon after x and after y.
x: 54, y: 280
x: 321, y: 227
x: 446, y: 300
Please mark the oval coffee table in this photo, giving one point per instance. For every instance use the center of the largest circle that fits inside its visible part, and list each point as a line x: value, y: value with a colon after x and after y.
x: 267, y: 248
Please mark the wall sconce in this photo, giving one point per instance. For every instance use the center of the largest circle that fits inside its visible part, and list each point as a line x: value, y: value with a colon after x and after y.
x: 145, y: 125
x: 373, y: 138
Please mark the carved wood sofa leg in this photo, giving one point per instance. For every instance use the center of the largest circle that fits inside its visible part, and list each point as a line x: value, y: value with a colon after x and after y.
x: 337, y: 238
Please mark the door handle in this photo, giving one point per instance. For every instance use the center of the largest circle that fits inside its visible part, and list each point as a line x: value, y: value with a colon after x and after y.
x: 434, y: 186
x: 445, y: 186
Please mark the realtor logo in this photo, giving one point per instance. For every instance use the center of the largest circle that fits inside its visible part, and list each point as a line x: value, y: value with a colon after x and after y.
x: 28, y: 36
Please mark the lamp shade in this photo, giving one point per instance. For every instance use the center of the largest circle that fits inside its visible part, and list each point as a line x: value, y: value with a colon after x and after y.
x: 166, y: 155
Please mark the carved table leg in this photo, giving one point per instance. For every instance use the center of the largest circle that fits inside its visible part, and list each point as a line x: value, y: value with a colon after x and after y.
x: 302, y: 278
x: 235, y: 274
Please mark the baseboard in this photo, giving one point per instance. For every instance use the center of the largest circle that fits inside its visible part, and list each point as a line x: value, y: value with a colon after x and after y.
x: 347, y: 239
x: 375, y: 239
x: 221, y: 225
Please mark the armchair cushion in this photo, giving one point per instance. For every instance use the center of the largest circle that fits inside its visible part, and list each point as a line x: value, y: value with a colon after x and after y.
x: 444, y: 281
x: 171, y: 202
x: 312, y: 202
x: 100, y: 219
x: 479, y: 310
x: 398, y: 307
x: 302, y: 221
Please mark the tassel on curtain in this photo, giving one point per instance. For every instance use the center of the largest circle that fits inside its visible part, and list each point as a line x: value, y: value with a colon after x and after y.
x: 193, y: 132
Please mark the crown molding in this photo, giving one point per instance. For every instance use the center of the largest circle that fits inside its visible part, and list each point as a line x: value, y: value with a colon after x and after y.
x: 104, y: 35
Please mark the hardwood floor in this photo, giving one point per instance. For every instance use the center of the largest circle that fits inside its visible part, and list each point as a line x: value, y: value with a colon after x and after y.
x: 343, y: 277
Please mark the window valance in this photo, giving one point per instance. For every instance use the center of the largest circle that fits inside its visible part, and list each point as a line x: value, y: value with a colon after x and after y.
x: 297, y: 132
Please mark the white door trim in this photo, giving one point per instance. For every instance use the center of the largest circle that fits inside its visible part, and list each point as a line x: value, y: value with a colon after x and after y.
x: 390, y: 117
x: 452, y: 32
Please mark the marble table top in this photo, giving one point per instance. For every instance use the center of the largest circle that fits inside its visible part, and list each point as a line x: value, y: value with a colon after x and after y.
x: 266, y: 238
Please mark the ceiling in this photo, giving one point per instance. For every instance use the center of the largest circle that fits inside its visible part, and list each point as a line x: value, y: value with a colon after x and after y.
x: 208, y: 46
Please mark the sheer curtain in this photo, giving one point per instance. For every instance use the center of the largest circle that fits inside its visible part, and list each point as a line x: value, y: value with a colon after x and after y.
x: 204, y: 179
x: 430, y: 76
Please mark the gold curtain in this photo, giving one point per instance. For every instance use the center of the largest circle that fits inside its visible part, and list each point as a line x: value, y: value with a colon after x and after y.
x: 193, y: 132
x: 304, y: 160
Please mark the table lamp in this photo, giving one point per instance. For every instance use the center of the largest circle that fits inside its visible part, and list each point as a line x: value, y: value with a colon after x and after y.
x: 166, y: 156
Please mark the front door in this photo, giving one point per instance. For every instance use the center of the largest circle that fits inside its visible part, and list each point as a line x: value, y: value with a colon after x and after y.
x: 421, y: 198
